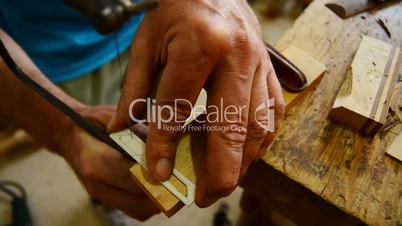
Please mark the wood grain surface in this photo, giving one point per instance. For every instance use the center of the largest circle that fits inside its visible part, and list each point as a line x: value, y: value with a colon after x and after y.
x: 326, y: 157
x: 364, y: 99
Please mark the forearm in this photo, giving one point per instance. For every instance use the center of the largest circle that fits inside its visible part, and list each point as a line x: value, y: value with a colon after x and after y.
x: 23, y: 107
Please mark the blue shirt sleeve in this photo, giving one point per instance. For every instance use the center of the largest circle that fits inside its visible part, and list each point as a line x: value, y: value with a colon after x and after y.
x: 62, y: 43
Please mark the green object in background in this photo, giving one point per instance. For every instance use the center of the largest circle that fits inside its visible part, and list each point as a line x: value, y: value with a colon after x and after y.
x: 21, y: 214
x: 5, y: 212
x: 20, y: 211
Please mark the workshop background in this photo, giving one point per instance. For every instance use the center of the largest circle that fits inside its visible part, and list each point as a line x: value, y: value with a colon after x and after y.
x: 56, y: 197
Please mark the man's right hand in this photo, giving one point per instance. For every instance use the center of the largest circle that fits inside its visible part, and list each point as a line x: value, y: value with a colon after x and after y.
x: 211, y: 44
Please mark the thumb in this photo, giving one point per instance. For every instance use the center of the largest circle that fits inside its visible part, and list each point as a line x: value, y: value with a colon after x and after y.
x: 138, y: 82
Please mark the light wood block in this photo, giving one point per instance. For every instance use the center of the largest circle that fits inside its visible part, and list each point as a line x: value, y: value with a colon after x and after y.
x: 395, y: 150
x: 364, y: 99
x: 312, y: 69
x: 168, y: 203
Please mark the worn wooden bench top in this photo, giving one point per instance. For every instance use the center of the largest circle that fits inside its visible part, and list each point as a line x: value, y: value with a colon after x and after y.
x: 326, y: 157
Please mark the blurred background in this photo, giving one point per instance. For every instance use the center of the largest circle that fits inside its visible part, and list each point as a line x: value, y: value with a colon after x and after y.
x: 54, y: 194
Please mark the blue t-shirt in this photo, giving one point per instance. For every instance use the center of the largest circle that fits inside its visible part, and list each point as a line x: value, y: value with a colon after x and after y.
x: 61, y: 42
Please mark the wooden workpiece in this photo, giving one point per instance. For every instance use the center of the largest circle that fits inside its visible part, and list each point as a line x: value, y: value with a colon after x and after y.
x: 163, y: 198
x: 365, y: 96
x: 170, y: 204
x: 330, y: 162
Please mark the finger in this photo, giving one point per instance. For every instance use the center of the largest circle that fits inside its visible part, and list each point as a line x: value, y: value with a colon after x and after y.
x: 257, y: 126
x: 139, y: 79
x: 117, y: 171
x: 105, y: 164
x: 138, y: 207
x: 225, y: 148
x: 183, y: 78
x: 100, y: 115
x: 274, y: 91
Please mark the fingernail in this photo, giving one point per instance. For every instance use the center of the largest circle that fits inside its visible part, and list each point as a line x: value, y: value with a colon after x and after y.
x: 163, y: 169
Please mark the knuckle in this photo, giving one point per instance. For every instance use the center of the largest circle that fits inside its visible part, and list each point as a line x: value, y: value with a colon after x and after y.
x: 246, y: 43
x: 234, y: 137
x: 279, y: 108
x: 183, y: 110
x: 213, y: 38
x: 178, y: 110
x: 215, y: 30
x: 256, y: 129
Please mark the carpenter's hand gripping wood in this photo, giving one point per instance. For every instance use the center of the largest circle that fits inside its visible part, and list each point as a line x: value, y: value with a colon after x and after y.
x: 171, y: 195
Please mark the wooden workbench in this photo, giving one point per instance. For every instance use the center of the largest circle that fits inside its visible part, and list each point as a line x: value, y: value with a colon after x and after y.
x: 317, y: 171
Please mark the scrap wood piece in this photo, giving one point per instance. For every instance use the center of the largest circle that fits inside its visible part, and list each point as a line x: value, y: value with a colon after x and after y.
x: 12, y: 140
x: 365, y: 97
x: 162, y: 196
x: 313, y: 70
x: 395, y: 150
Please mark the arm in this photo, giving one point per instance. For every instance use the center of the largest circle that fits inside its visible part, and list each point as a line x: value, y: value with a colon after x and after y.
x: 23, y: 107
x: 103, y: 171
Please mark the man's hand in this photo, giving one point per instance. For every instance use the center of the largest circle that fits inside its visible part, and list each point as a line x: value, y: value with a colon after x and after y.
x: 103, y: 171
x: 211, y: 44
